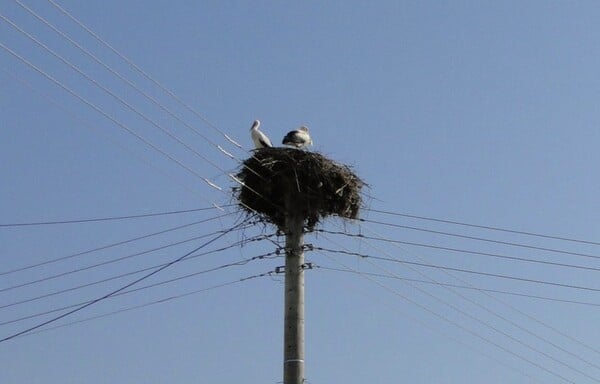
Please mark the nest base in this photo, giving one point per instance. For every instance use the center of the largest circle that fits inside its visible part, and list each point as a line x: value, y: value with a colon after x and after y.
x: 277, y: 182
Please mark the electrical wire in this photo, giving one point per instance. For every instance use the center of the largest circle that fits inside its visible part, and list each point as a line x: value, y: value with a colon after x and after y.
x: 123, y: 126
x: 481, y: 239
x: 129, y: 106
x: 110, y: 218
x: 81, y: 121
x: 132, y: 108
x: 213, y: 204
x: 517, y: 310
x: 111, y: 118
x: 128, y: 82
x: 122, y: 288
x: 154, y: 302
x: 495, y: 328
x: 504, y: 318
x: 537, y: 321
x: 143, y: 73
x: 495, y: 255
x: 458, y: 325
x: 369, y: 276
x: 491, y: 228
x: 110, y: 69
x: 111, y: 245
x: 435, y: 266
x: 16, y: 55
x: 160, y: 283
x: 107, y: 262
x: 126, y: 274
x: 546, y: 298
x: 120, y: 100
x: 122, y: 78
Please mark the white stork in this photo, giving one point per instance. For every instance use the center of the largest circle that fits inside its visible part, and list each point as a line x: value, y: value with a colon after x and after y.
x: 298, y: 138
x: 260, y: 139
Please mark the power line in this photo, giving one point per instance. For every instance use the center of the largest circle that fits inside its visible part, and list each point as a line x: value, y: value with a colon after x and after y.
x: 120, y: 100
x: 82, y: 121
x: 111, y: 261
x: 115, y: 96
x: 117, y: 290
x: 143, y: 73
x: 528, y: 316
x: 109, y: 117
x: 481, y: 239
x: 554, y: 299
x: 154, y: 302
x: 129, y: 106
x: 86, y: 124
x: 121, y: 77
x: 131, y: 84
x: 110, y: 218
x: 132, y: 108
x: 491, y: 228
x: 111, y: 245
x: 160, y: 283
x: 500, y: 276
x: 509, y: 321
x: 431, y: 246
x: 504, y: 318
x: 369, y: 276
x: 458, y: 325
x: 122, y: 275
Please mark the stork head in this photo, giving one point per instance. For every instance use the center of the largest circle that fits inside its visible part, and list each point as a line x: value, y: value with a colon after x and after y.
x: 303, y: 128
x: 255, y: 125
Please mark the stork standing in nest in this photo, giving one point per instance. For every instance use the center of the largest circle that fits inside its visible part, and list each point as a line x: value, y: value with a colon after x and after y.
x: 260, y: 139
x: 298, y: 138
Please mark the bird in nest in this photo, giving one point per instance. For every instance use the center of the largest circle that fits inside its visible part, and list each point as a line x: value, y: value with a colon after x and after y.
x: 260, y: 139
x: 298, y: 138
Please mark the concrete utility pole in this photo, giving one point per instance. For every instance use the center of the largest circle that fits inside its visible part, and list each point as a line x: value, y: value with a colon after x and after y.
x: 295, y: 189
x: 293, y: 335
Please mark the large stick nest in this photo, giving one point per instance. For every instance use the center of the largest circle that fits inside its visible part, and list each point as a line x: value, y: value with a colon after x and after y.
x: 280, y: 181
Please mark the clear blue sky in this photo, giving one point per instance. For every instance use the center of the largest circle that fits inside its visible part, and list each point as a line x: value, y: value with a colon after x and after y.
x: 480, y: 112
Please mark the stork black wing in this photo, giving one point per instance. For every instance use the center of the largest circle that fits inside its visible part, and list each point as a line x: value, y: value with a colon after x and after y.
x: 291, y: 138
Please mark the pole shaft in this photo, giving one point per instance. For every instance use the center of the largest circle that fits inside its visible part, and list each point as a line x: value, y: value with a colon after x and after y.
x: 293, y: 355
